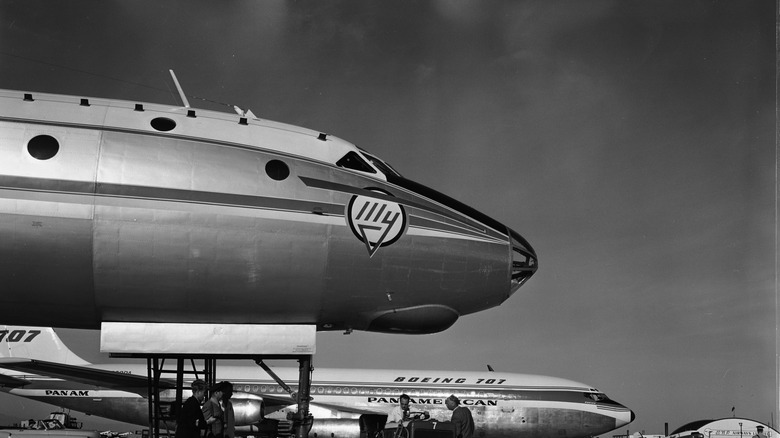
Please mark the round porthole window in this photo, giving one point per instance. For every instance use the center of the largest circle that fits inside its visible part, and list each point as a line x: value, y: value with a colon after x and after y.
x: 163, y: 124
x: 43, y: 147
x: 277, y: 170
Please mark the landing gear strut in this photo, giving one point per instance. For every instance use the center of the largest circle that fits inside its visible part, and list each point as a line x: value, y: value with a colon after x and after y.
x: 302, y: 420
x: 209, y: 342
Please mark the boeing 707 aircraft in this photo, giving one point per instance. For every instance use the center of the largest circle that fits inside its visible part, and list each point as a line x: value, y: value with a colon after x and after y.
x: 345, y: 402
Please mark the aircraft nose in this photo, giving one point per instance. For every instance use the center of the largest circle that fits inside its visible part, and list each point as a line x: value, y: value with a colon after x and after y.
x: 622, y: 414
x: 624, y: 418
x: 524, y: 262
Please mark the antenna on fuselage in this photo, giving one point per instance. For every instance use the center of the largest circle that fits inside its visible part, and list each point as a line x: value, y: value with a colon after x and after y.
x: 184, y: 100
x: 242, y: 113
x: 490, y: 368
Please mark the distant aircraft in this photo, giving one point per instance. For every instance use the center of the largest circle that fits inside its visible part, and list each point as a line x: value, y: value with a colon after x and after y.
x: 345, y: 402
x: 134, y: 212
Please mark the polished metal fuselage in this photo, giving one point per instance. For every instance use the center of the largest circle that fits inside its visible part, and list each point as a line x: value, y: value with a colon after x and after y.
x: 196, y: 221
x: 503, y: 405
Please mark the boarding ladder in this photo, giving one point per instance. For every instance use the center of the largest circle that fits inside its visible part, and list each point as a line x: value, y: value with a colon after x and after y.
x: 162, y: 414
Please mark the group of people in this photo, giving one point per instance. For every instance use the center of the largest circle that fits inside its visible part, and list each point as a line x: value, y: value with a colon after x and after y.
x: 400, y: 415
x: 214, y: 419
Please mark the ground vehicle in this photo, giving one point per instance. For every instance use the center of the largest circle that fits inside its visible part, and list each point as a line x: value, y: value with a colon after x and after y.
x: 48, y: 428
x: 419, y: 428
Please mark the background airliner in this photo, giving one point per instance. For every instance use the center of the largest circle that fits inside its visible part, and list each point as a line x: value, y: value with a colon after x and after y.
x: 345, y: 402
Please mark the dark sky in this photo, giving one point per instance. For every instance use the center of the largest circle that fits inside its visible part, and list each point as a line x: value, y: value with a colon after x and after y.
x: 631, y: 142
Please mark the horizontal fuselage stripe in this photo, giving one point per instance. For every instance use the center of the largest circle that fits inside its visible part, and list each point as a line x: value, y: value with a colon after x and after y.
x: 514, y: 397
x: 453, y: 232
x: 329, y: 185
x: 166, y: 194
x: 105, y: 190
x: 390, y: 385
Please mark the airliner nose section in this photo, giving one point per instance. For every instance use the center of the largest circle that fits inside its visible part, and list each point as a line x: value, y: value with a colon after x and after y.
x: 624, y: 417
x: 617, y: 414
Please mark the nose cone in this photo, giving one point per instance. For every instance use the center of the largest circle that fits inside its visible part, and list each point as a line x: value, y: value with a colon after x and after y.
x: 524, y: 262
x: 613, y: 414
x: 623, y: 416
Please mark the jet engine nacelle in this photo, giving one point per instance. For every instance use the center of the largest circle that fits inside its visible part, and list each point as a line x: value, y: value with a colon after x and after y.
x: 335, y: 428
x: 248, y: 408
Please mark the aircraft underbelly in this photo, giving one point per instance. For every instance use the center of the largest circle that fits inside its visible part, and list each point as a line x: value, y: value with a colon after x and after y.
x: 509, y: 421
x: 182, y: 267
x: 46, y: 269
x: 414, y: 272
x: 572, y: 423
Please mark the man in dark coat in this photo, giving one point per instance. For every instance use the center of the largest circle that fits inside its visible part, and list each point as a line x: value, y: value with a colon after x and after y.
x: 461, y: 418
x: 190, y: 421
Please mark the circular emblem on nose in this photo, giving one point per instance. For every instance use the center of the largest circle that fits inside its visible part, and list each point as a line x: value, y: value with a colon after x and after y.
x: 376, y: 222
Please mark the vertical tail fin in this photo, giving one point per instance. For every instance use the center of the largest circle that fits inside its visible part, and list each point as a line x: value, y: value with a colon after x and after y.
x: 40, y: 343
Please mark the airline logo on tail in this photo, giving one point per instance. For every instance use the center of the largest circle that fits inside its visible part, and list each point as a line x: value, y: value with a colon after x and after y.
x: 18, y: 335
x: 41, y: 343
x: 376, y: 222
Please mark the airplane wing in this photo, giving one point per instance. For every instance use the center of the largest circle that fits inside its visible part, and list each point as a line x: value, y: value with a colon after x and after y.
x: 90, y: 376
x: 12, y: 382
x: 340, y: 408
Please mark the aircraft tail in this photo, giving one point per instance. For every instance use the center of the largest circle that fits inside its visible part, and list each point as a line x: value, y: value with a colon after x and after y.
x: 40, y: 343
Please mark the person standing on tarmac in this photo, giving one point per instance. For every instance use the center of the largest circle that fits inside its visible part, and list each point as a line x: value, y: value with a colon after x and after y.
x: 190, y: 420
x: 227, y: 406
x: 212, y: 410
x: 759, y: 432
x: 461, y: 418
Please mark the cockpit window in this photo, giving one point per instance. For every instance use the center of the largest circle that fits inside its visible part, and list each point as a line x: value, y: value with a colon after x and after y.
x: 596, y: 396
x: 381, y: 165
x: 353, y: 161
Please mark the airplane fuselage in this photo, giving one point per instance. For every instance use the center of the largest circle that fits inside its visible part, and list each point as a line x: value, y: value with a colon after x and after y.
x: 121, y: 211
x: 503, y: 404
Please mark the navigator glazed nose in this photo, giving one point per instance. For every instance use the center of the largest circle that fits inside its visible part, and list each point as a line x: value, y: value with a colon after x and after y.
x: 523, y: 261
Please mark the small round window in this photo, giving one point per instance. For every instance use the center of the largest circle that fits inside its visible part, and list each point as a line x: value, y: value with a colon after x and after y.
x: 163, y: 124
x: 277, y: 170
x: 43, y: 147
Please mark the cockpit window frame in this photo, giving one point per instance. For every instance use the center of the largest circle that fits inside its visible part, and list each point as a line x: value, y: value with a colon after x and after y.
x: 381, y: 165
x: 354, y: 161
x: 596, y: 396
